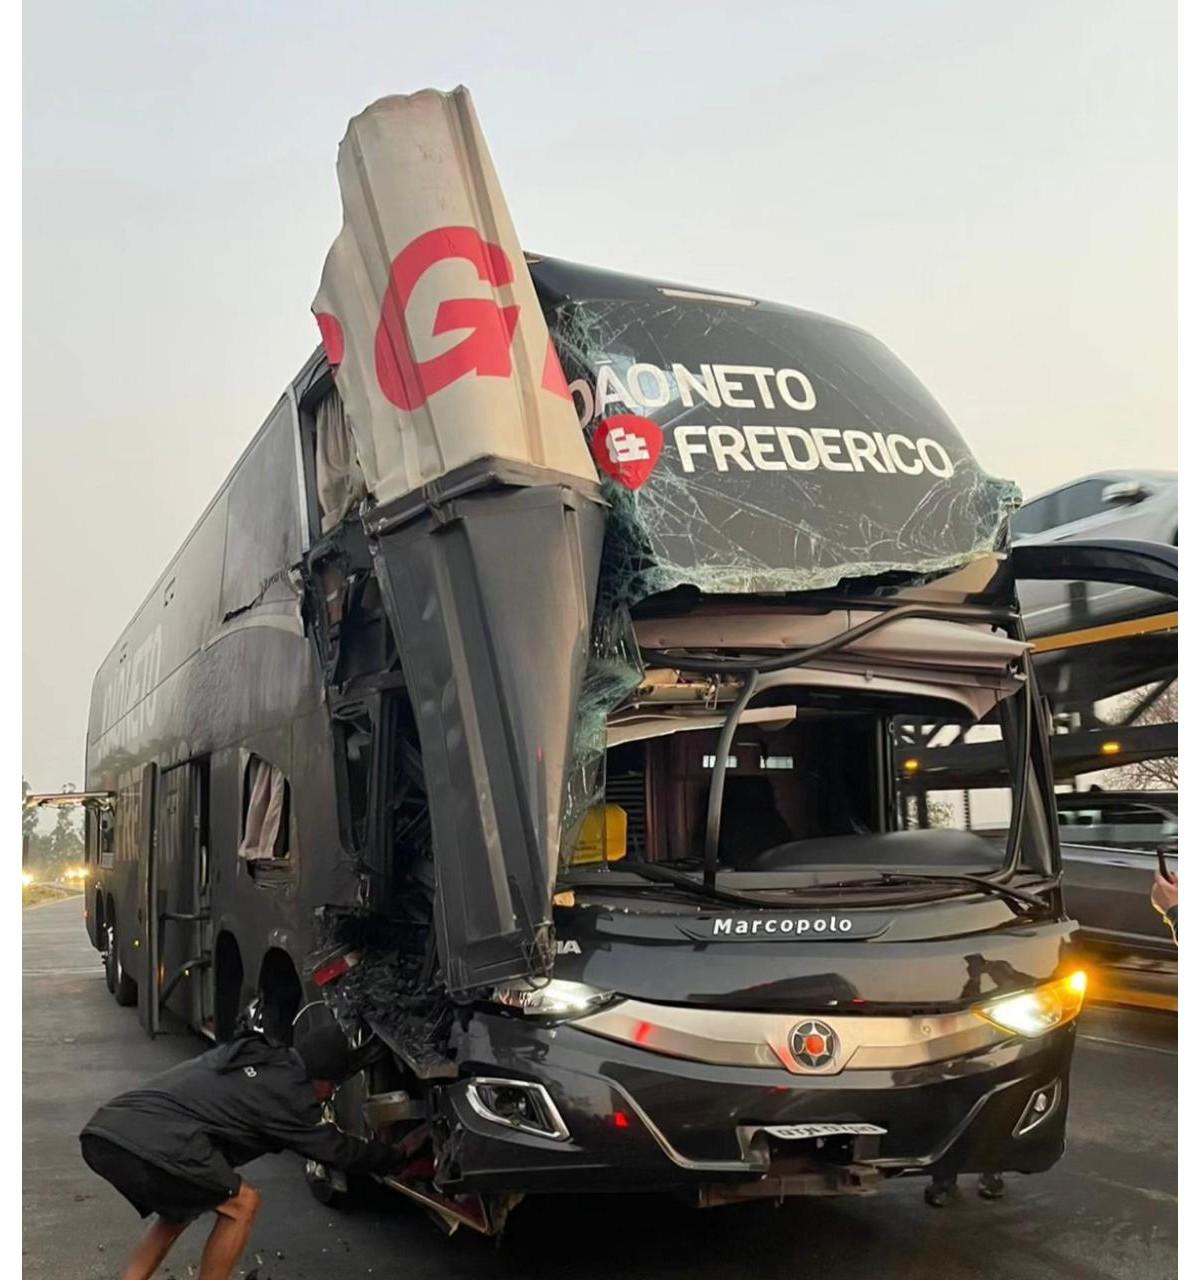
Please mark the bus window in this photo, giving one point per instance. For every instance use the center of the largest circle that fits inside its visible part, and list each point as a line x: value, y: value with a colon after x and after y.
x: 106, y: 836
x: 266, y: 812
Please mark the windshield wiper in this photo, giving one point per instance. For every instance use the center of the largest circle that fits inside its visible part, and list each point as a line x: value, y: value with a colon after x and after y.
x: 656, y: 874
x: 899, y: 880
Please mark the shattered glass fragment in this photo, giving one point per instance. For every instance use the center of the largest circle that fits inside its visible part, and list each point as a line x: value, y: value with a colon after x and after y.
x: 614, y: 671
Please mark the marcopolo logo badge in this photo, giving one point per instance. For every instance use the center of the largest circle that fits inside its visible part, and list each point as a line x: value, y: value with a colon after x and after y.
x: 814, y: 1044
x: 626, y: 447
x: 766, y: 926
x: 790, y: 926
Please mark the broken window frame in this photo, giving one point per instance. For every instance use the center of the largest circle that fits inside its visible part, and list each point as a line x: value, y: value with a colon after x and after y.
x: 1030, y: 751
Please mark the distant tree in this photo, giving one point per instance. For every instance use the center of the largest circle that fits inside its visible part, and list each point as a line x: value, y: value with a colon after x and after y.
x: 63, y: 846
x: 1148, y: 775
x: 29, y: 817
x: 938, y: 814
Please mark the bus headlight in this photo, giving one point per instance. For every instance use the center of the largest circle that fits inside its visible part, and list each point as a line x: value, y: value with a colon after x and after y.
x: 556, y: 998
x: 1033, y: 1013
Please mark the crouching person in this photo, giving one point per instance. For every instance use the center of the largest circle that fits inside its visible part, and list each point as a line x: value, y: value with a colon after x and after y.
x: 172, y: 1146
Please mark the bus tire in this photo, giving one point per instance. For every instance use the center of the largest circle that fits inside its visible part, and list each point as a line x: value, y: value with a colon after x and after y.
x: 122, y: 986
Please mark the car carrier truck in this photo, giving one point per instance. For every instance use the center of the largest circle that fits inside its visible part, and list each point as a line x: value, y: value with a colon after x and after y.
x: 528, y: 699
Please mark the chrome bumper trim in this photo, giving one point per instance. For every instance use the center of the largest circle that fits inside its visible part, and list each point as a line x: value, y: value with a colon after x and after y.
x: 732, y: 1038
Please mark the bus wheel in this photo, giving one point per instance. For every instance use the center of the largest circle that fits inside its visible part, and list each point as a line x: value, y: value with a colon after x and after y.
x: 122, y: 986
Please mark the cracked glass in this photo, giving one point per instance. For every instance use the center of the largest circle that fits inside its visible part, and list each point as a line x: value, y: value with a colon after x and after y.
x: 750, y: 448
x: 755, y: 448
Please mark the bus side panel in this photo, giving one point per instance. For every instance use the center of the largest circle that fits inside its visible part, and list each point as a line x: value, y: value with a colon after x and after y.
x: 270, y: 909
x: 217, y: 666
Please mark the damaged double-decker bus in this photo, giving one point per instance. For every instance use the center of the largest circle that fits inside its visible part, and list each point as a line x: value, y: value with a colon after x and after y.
x: 529, y: 700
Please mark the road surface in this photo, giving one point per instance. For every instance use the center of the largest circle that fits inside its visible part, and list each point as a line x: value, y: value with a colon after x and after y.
x: 1108, y: 1209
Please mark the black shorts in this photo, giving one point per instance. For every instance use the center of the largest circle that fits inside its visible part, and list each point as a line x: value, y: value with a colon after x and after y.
x: 147, y: 1187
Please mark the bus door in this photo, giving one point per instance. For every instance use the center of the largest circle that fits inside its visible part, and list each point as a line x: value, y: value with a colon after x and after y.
x: 202, y: 932
x: 146, y: 966
x: 182, y: 897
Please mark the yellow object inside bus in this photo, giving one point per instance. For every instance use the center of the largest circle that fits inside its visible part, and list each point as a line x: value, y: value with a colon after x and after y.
x: 602, y: 835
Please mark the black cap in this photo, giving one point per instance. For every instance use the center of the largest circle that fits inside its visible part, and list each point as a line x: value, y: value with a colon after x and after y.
x: 326, y: 1054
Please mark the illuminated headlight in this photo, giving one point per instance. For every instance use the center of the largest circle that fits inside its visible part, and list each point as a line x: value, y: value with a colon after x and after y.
x: 556, y: 998
x: 1033, y: 1013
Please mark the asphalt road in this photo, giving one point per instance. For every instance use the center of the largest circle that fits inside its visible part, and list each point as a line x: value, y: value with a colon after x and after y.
x: 1108, y: 1209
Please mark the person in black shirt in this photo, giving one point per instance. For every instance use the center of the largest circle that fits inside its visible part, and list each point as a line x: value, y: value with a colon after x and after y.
x: 171, y: 1148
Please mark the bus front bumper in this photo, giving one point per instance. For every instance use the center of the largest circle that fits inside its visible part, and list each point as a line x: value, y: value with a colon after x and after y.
x: 558, y: 1108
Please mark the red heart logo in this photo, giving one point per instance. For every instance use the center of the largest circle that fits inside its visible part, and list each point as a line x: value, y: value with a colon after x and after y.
x: 626, y: 447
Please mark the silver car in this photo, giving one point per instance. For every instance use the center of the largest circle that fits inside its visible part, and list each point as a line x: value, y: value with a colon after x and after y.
x: 1109, y: 839
x: 1137, y: 506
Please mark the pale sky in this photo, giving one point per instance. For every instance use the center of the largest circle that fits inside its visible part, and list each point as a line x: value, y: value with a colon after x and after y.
x: 988, y: 188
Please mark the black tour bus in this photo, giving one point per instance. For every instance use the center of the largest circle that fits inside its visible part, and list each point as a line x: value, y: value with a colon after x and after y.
x: 321, y: 757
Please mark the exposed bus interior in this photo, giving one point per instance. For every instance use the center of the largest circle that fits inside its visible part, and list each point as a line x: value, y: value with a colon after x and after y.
x: 814, y: 770
x: 814, y: 791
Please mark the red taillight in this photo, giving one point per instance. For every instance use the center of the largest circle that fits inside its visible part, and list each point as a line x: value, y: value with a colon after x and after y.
x: 620, y: 1120
x: 333, y: 969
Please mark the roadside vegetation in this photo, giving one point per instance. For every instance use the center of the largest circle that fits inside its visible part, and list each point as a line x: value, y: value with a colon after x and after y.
x: 52, y: 858
x: 33, y: 895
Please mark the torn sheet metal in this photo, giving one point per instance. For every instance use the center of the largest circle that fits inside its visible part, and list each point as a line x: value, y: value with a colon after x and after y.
x: 751, y: 447
x: 489, y: 593
x: 485, y: 519
x: 426, y: 308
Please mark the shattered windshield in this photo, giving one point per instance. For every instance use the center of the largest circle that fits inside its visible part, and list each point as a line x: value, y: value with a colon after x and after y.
x: 753, y: 448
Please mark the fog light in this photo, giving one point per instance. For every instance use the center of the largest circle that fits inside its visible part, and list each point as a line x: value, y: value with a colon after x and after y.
x: 517, y: 1104
x: 1042, y: 1104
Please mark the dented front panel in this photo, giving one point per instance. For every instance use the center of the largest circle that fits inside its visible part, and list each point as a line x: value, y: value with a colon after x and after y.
x: 490, y: 594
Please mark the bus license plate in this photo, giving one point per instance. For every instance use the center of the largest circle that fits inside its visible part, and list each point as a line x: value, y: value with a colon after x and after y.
x: 820, y: 1130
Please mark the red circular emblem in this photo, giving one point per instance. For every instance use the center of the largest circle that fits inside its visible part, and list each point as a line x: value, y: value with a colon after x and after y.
x: 814, y: 1044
